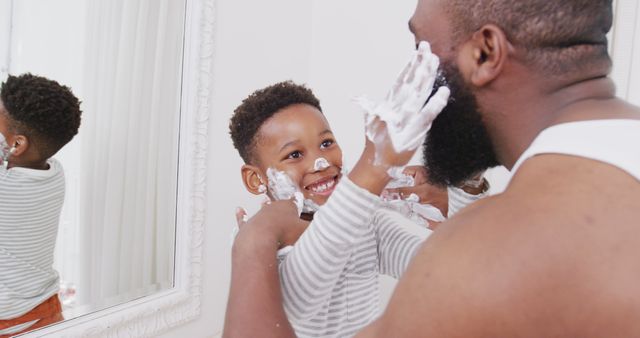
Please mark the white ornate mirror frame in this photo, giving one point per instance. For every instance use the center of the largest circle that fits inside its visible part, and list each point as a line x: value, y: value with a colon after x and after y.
x: 151, y: 315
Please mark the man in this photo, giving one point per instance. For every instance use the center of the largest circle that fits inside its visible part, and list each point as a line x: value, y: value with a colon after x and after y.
x: 556, y: 253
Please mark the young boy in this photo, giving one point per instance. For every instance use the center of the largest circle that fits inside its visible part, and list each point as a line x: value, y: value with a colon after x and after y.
x: 37, y: 118
x: 330, y: 275
x: 329, y: 290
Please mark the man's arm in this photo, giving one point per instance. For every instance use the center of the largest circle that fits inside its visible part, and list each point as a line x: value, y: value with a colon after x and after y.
x: 253, y: 297
x: 254, y: 309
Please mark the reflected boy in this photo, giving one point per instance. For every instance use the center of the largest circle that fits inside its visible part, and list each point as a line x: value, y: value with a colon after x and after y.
x: 38, y: 117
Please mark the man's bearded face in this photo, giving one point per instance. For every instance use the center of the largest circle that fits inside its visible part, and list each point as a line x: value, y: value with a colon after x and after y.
x: 458, y: 145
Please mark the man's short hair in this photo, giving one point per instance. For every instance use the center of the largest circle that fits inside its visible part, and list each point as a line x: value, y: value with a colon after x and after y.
x: 259, y: 107
x: 558, y: 36
x: 43, y: 110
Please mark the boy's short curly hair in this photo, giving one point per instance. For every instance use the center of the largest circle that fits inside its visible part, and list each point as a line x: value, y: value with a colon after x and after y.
x: 259, y: 107
x: 43, y: 110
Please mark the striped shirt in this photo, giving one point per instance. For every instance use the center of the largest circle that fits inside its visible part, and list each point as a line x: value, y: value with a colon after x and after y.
x: 459, y: 199
x: 330, y: 276
x: 30, y: 205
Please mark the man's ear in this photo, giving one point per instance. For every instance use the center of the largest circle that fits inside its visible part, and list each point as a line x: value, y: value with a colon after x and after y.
x: 18, y: 145
x: 490, y: 50
x: 252, y: 179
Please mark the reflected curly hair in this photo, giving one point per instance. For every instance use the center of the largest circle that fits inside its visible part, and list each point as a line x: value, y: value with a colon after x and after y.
x: 259, y: 107
x: 41, y: 109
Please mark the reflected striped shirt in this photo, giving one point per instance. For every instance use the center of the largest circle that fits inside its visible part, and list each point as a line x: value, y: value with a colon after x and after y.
x: 330, y: 276
x: 30, y: 205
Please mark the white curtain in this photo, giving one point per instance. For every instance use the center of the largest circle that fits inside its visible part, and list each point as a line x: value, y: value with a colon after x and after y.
x: 129, y: 148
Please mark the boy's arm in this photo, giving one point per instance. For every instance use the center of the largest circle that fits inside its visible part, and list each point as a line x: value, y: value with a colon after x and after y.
x: 396, y: 245
x: 312, y: 268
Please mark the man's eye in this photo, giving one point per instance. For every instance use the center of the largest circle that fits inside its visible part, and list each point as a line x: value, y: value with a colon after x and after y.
x: 295, y: 154
x: 326, y: 143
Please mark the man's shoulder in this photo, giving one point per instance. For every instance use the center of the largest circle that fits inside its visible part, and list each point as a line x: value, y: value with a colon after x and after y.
x: 507, y: 266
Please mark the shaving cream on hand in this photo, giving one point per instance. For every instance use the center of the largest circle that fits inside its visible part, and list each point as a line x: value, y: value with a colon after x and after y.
x: 404, y: 111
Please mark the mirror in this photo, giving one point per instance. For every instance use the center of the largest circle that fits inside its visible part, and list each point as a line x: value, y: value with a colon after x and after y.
x: 123, y: 59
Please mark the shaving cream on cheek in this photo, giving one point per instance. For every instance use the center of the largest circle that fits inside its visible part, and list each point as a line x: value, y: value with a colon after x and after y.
x: 283, y: 188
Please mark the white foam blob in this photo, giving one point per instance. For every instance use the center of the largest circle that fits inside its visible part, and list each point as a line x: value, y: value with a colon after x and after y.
x: 283, y: 188
x: 310, y: 206
x: 399, y: 179
x: 321, y: 163
x: 413, y: 198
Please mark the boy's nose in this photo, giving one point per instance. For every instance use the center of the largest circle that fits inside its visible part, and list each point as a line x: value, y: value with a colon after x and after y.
x: 320, y: 164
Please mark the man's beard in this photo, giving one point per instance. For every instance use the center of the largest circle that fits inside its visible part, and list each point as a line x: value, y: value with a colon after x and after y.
x: 458, y: 145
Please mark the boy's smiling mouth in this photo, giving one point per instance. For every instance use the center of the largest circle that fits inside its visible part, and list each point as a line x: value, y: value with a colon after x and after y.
x: 324, y: 186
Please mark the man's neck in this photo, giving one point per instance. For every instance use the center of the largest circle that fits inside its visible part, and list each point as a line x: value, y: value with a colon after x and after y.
x: 533, y: 109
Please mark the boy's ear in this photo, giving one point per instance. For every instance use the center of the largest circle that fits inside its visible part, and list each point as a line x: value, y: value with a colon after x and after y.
x: 252, y: 179
x: 19, y: 145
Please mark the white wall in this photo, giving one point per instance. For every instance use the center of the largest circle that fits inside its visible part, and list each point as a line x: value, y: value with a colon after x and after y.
x: 339, y: 48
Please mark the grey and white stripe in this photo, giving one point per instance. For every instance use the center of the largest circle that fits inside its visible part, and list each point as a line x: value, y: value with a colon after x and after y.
x: 30, y: 205
x: 330, y: 277
x: 458, y: 199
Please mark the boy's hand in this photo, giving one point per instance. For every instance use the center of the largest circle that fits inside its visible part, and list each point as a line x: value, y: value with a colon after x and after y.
x: 398, y: 125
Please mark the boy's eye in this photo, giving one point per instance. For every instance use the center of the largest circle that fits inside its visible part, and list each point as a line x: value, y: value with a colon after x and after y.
x: 294, y: 155
x: 326, y: 144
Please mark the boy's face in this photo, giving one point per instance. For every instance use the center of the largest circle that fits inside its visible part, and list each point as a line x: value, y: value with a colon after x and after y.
x: 292, y: 141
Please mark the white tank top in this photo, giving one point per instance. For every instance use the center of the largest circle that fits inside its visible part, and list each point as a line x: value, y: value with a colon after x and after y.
x: 615, y: 142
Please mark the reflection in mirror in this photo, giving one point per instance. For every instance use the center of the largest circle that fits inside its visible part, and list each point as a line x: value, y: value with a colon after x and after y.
x: 123, y: 59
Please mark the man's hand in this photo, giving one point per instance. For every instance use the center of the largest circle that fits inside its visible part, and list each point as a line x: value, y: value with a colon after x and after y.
x: 276, y: 221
